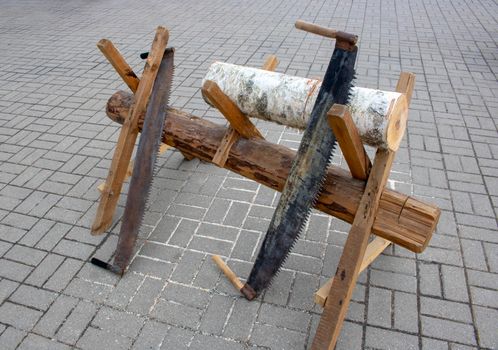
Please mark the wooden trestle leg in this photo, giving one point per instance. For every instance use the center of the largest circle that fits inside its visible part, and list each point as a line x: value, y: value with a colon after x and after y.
x: 237, y: 129
x: 357, y: 253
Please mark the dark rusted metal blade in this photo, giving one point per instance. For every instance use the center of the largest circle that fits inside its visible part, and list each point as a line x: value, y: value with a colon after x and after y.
x: 145, y: 160
x: 306, y: 175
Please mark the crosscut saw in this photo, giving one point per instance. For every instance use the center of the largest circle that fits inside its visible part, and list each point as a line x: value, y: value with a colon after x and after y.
x: 308, y: 170
x: 143, y: 170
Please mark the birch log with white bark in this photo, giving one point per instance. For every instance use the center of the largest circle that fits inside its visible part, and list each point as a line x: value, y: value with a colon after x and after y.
x: 380, y: 116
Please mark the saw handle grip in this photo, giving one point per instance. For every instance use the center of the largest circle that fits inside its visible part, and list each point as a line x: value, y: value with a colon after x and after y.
x: 326, y: 32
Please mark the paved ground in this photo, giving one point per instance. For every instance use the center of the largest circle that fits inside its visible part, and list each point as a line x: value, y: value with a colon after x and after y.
x: 56, y: 144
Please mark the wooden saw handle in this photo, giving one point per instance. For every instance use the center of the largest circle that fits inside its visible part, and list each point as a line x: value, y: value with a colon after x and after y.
x: 326, y: 32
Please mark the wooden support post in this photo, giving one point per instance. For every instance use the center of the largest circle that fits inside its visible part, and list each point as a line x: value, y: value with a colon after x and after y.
x: 128, y: 136
x: 234, y: 280
x: 230, y: 111
x: 349, y: 140
x: 374, y: 249
x: 354, y: 250
x: 232, y: 135
x: 118, y: 62
x: 357, y: 255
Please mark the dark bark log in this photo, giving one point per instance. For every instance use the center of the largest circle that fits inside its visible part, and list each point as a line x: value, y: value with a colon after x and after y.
x: 401, y: 219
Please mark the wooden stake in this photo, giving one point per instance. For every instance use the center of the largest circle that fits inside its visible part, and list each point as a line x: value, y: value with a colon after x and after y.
x: 349, y: 140
x: 349, y: 265
x: 232, y: 135
x: 221, y: 155
x: 128, y: 136
x: 374, y: 249
x: 271, y: 63
x: 230, y: 111
x: 118, y: 62
x: 228, y: 272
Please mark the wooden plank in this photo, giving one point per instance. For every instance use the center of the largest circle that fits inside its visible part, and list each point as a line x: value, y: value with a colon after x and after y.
x: 163, y: 148
x: 230, y: 111
x: 234, y: 280
x: 406, y: 84
x: 349, y: 140
x: 231, y: 136
x: 374, y: 249
x: 354, y: 250
x: 128, y: 136
x: 271, y: 63
x: 130, y: 78
x: 118, y: 62
x: 221, y: 155
x: 401, y: 219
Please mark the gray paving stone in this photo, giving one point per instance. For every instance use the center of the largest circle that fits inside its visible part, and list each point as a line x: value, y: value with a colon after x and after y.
x: 448, y: 330
x: 11, y: 338
x: 55, y: 316
x: 284, y: 318
x: 277, y: 338
x: 19, y: 316
x: 386, y: 339
x: 177, y: 314
x: 151, y: 336
x: 239, y: 323
x: 96, y: 338
x: 33, y: 297
x: 13, y: 270
x: 119, y: 322
x: 7, y: 288
x: 486, y: 326
x: 77, y: 322
x: 33, y: 341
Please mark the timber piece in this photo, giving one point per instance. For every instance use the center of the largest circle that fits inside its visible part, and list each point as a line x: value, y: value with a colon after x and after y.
x: 348, y: 268
x: 401, y: 219
x: 130, y: 78
x: 230, y: 111
x: 405, y: 85
x: 234, y: 280
x: 221, y: 155
x: 232, y: 135
x: 271, y: 63
x: 351, y: 39
x: 118, y: 62
x: 128, y: 135
x: 380, y: 116
x: 163, y: 148
x: 349, y: 140
x: 374, y: 249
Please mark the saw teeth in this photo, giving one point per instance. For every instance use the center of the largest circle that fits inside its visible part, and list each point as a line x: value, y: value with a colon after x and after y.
x: 282, y: 236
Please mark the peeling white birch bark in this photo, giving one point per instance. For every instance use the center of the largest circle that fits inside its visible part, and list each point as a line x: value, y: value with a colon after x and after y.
x: 380, y: 116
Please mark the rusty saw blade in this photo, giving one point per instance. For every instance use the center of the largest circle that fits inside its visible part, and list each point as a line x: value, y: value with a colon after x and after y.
x: 307, y: 172
x: 143, y: 170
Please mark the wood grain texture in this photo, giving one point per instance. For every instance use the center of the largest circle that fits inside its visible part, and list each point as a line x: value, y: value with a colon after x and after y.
x: 374, y: 249
x: 118, y: 62
x: 230, y: 111
x: 234, y: 280
x: 348, y: 268
x: 349, y: 140
x: 401, y: 219
x: 128, y: 135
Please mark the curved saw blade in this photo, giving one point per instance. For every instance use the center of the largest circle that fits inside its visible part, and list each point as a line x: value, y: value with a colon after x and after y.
x: 145, y: 161
x: 306, y: 175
